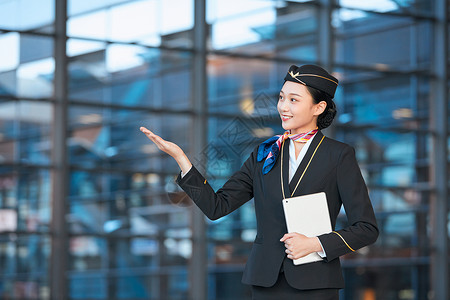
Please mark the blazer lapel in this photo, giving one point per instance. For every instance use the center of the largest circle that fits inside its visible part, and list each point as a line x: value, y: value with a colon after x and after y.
x: 287, y: 190
x: 305, y: 160
x: 273, y: 178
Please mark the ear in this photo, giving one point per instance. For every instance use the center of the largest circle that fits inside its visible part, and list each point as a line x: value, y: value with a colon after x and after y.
x: 320, y: 108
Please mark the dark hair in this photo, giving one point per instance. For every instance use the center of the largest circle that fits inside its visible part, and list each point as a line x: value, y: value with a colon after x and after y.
x: 326, y: 118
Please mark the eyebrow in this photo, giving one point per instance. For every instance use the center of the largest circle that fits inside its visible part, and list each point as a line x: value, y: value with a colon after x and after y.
x: 292, y: 94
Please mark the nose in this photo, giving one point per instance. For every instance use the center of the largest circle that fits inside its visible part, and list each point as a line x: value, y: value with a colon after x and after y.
x: 284, y: 106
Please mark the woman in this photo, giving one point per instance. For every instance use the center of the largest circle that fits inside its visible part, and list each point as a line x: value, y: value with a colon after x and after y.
x: 312, y: 163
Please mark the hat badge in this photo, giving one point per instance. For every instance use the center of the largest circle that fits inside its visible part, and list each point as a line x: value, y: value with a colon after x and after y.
x: 295, y: 76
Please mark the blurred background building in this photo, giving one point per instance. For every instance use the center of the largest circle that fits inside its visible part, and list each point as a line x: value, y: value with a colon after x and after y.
x: 88, y: 205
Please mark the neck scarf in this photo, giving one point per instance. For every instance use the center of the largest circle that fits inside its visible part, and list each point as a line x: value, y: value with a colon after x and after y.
x: 270, y: 148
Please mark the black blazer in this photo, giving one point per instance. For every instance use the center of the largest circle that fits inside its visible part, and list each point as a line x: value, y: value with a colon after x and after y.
x: 333, y: 170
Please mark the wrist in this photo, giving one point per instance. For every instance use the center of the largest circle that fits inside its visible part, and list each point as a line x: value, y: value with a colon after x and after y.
x: 316, y: 244
x: 183, y: 162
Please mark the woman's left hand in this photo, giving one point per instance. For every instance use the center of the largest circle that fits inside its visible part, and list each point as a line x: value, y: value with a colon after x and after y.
x: 298, y: 245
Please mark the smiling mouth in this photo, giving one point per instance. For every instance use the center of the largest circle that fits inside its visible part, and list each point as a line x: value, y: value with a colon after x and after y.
x: 285, y: 118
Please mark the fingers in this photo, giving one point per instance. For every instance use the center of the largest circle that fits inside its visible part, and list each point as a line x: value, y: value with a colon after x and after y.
x: 291, y: 254
x: 146, y: 131
x: 166, y: 146
x: 155, y: 138
x: 287, y: 236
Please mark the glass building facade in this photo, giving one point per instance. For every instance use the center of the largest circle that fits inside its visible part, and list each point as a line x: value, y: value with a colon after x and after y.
x: 88, y: 205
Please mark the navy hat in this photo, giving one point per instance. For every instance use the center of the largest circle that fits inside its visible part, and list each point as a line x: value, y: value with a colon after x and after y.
x: 313, y: 76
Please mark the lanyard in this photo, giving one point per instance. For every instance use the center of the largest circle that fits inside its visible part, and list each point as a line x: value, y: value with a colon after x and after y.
x: 300, y: 179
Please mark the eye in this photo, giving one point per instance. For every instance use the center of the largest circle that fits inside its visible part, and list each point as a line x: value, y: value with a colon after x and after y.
x: 280, y: 97
x: 294, y: 100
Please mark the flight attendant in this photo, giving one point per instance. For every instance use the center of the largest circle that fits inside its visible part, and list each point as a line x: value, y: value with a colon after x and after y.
x: 299, y: 162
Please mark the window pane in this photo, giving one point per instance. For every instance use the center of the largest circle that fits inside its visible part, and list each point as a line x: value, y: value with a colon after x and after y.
x: 369, y: 98
x: 34, y: 212
x: 244, y: 86
x: 149, y: 22
x: 271, y: 29
x: 25, y: 134
x: 406, y: 7
x: 27, y: 70
x: 24, y: 255
x: 361, y: 40
x: 93, y: 285
x: 27, y: 15
x: 8, y: 198
x: 376, y: 282
x: 111, y: 138
x: 132, y: 76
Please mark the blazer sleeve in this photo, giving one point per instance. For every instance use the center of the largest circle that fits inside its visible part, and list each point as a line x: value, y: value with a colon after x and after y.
x: 235, y: 192
x: 362, y: 229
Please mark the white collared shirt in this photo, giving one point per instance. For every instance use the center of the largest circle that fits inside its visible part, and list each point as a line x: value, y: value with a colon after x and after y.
x: 294, y: 163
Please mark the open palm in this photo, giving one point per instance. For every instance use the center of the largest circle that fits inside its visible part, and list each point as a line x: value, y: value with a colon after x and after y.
x: 170, y: 148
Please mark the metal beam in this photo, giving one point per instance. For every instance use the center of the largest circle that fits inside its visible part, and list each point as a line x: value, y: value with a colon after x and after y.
x: 439, y: 176
x: 326, y: 45
x: 198, y: 263
x: 59, y: 250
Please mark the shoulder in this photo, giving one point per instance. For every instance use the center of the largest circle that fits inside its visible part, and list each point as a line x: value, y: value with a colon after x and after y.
x: 335, y: 144
x: 337, y: 148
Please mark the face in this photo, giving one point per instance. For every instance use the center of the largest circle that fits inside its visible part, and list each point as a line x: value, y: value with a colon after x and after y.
x: 297, y: 109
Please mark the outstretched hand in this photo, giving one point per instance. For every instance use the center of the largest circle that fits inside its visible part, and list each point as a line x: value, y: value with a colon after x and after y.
x: 170, y: 148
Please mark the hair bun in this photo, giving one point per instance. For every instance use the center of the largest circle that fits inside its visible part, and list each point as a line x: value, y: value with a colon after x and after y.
x: 326, y: 118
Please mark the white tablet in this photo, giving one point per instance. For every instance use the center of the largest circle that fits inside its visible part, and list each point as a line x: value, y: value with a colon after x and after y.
x: 307, y: 215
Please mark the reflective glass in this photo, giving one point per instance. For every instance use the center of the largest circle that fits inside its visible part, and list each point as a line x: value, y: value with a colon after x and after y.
x: 24, y: 255
x: 111, y: 138
x: 87, y: 253
x: 88, y: 217
x: 25, y: 134
x: 376, y: 282
x: 271, y: 29
x: 9, y: 60
x: 173, y: 284
x: 8, y: 131
x: 92, y: 285
x: 388, y: 158
x: 361, y: 40
x: 403, y: 6
x: 130, y: 204
x: 136, y: 252
x: 34, y: 132
x: 33, y: 200
x: 370, y: 98
x: 27, y: 69
x: 8, y: 198
x: 136, y: 287
x: 244, y: 86
x: 149, y: 22
x: 27, y: 15
x: 75, y: 7
x: 78, y: 47
x: 132, y: 76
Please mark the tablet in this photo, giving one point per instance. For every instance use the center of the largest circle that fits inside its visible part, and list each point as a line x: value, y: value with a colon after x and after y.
x: 307, y: 215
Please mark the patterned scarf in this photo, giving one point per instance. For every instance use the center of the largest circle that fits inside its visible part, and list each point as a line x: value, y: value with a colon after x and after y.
x: 271, y: 147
